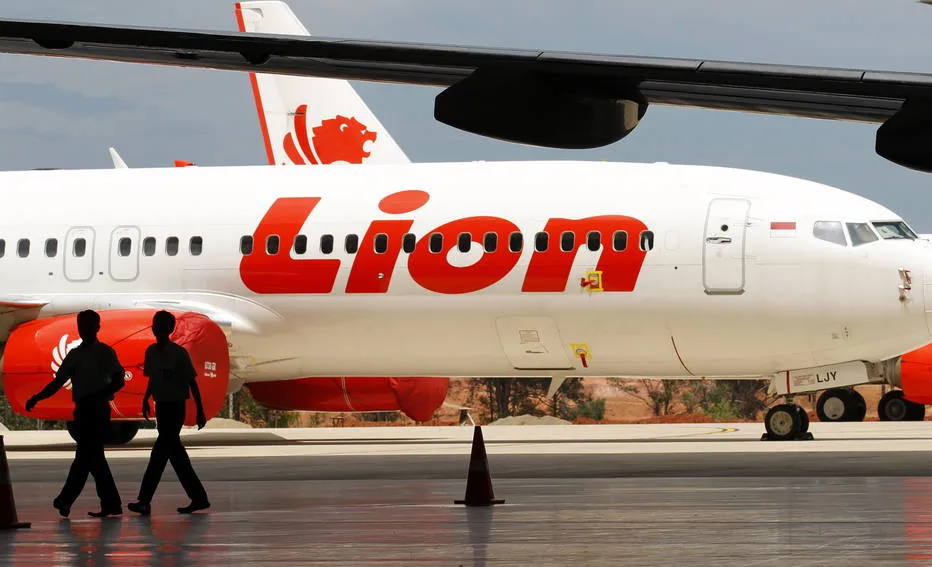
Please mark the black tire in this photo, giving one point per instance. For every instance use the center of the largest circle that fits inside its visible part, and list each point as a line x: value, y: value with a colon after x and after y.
x: 860, y: 406
x: 836, y: 405
x: 894, y: 407
x: 804, y: 420
x: 122, y: 432
x: 783, y: 422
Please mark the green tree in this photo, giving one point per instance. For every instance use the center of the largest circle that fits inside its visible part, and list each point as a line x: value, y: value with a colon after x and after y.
x: 660, y: 396
x: 503, y: 397
x: 248, y: 410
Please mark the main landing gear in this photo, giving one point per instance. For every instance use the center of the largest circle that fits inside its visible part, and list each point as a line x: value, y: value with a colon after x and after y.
x: 785, y: 422
x: 841, y: 404
x: 894, y: 407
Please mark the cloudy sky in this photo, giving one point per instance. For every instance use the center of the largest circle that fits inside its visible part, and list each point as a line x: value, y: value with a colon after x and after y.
x: 65, y: 113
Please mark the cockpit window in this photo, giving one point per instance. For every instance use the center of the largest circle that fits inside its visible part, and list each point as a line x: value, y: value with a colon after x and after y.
x: 894, y: 230
x: 860, y: 233
x: 830, y: 231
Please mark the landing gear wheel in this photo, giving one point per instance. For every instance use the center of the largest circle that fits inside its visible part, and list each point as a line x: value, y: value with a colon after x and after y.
x: 894, y: 407
x: 917, y: 412
x: 860, y: 405
x: 786, y: 421
x: 841, y: 404
x: 122, y: 432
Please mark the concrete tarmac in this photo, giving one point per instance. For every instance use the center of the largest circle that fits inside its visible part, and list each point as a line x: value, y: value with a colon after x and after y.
x: 859, y: 494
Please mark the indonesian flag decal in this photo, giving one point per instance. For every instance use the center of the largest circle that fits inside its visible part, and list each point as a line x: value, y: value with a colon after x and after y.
x: 782, y: 229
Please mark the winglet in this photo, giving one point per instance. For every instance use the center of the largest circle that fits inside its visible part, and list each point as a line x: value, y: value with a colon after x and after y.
x: 118, y: 162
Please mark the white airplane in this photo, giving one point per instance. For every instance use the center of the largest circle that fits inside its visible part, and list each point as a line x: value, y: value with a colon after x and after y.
x: 453, y: 269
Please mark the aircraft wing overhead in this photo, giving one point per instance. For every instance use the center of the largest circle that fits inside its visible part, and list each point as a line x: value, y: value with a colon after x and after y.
x: 546, y: 98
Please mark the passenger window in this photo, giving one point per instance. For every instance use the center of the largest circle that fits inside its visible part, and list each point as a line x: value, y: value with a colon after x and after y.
x: 515, y: 241
x: 408, y: 243
x: 196, y: 245
x: 300, y: 244
x: 272, y: 244
x: 79, y: 247
x: 171, y: 245
x: 567, y: 241
x: 124, y: 246
x: 860, y: 233
x: 435, y: 244
x: 381, y: 243
x: 464, y: 242
x: 647, y: 240
x: 245, y: 245
x: 22, y: 247
x: 619, y: 240
x: 594, y: 241
x: 51, y: 247
x: 326, y: 244
x: 830, y: 231
x: 2, y: 248
x: 490, y: 242
x: 148, y: 246
x: 351, y: 244
x: 541, y: 240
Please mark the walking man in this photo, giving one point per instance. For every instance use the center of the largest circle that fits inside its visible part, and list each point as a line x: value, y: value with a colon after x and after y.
x: 96, y: 375
x: 171, y: 382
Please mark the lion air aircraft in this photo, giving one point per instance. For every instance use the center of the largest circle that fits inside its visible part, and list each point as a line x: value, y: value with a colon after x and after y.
x: 453, y: 269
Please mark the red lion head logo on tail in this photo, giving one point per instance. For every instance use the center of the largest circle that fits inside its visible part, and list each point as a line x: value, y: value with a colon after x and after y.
x: 335, y: 139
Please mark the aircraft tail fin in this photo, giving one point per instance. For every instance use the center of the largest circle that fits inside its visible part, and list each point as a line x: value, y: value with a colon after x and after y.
x: 310, y: 120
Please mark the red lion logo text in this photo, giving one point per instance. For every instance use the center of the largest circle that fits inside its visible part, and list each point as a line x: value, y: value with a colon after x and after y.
x: 338, y: 139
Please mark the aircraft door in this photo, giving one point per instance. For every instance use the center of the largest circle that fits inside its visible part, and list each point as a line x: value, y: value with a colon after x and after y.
x: 124, y: 253
x: 723, y: 247
x: 79, y: 254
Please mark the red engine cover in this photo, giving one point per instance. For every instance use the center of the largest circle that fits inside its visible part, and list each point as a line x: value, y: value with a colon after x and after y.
x: 35, y: 350
x: 916, y: 375
x: 418, y: 398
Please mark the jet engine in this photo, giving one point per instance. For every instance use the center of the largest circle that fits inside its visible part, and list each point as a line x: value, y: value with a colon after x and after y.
x: 417, y: 398
x: 36, y: 349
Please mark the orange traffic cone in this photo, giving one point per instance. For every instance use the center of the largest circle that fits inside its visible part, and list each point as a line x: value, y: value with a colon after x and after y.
x: 479, y: 481
x: 8, y: 519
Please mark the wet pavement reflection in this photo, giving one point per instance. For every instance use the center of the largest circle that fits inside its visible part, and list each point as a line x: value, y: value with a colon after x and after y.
x: 702, y: 521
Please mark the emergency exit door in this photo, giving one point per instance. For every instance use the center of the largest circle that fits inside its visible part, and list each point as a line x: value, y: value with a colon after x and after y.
x: 723, y: 265
x: 124, y: 253
x: 79, y: 254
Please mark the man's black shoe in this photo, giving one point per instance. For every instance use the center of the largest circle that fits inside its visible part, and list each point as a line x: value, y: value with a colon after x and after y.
x: 106, y: 512
x: 140, y: 508
x: 194, y: 507
x: 63, y: 509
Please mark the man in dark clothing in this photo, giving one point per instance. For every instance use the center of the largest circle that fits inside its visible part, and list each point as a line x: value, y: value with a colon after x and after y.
x: 171, y: 382
x: 96, y: 375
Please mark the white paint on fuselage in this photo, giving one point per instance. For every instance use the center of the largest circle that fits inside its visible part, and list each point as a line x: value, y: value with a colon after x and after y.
x: 806, y: 302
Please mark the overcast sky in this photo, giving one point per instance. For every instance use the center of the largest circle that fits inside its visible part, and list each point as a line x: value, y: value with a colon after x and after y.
x: 65, y: 113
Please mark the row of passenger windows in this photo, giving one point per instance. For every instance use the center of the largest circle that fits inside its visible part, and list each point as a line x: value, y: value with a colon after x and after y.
x: 490, y: 242
x: 124, y: 246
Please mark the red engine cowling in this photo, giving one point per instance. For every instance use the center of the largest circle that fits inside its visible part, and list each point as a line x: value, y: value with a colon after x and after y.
x: 916, y: 375
x: 418, y: 398
x: 35, y: 350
